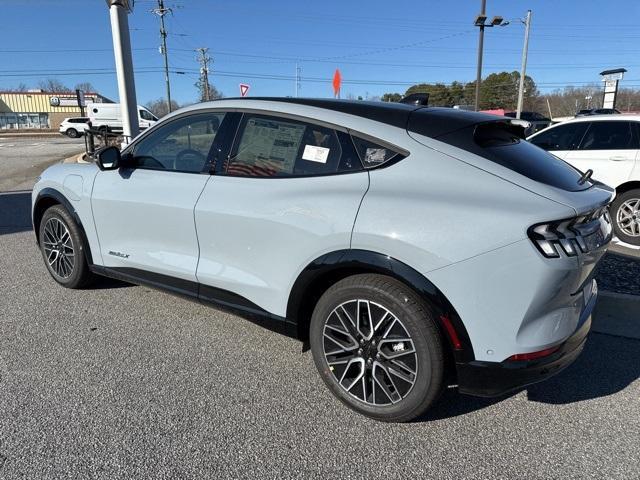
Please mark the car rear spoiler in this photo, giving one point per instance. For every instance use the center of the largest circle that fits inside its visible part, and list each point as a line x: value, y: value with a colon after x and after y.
x: 419, y: 99
x: 435, y: 122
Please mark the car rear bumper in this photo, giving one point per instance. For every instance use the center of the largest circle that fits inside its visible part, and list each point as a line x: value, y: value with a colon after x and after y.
x: 490, y: 379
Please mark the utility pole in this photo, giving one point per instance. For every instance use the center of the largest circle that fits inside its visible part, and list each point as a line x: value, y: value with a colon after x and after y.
x: 161, y: 11
x: 204, y: 60
x: 118, y: 11
x: 523, y: 70
x: 483, y: 13
x: 297, y: 79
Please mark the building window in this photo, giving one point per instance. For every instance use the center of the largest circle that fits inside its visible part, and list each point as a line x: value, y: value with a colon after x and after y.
x: 9, y: 121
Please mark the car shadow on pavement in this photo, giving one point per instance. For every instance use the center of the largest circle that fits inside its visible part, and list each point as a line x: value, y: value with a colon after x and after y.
x: 15, y: 212
x: 608, y: 365
x: 105, y: 283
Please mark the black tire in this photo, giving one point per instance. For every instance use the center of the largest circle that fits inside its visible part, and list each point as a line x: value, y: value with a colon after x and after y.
x: 72, y: 133
x: 416, y: 318
x: 621, y: 228
x: 69, y: 269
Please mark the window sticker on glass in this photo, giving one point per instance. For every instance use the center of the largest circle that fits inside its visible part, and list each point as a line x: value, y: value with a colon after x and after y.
x: 375, y: 155
x: 315, y: 154
x: 372, y: 154
x: 270, y: 144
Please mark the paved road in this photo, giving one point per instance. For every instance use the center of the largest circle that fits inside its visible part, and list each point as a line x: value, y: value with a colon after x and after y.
x: 22, y: 159
x: 127, y: 382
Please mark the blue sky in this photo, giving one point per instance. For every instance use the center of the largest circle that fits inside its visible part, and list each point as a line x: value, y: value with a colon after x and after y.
x: 379, y: 46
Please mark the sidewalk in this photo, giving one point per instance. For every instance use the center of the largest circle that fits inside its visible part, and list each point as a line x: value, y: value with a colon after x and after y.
x: 30, y: 134
x: 617, y: 314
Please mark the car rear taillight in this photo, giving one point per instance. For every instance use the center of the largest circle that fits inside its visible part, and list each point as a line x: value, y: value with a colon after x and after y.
x: 572, y: 236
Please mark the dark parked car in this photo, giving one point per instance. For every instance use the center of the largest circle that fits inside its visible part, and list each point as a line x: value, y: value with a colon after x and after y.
x: 537, y: 121
x: 596, y: 111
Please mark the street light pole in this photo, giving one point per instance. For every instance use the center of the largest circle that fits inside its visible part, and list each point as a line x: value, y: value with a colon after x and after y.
x: 523, y: 70
x: 483, y: 8
x: 118, y: 11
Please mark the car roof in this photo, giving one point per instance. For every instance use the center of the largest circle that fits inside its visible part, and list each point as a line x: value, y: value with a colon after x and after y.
x: 604, y: 117
x: 428, y: 121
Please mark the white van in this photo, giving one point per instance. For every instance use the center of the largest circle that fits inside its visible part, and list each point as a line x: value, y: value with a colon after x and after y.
x: 109, y: 115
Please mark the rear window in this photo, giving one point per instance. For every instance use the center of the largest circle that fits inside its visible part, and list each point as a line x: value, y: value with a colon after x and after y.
x: 501, y: 143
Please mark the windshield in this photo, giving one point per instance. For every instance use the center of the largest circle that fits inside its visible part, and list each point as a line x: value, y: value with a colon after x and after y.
x: 147, y: 115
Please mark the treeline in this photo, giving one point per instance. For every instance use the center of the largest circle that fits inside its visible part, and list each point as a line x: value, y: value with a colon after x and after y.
x: 567, y: 101
x: 54, y: 85
x: 500, y: 90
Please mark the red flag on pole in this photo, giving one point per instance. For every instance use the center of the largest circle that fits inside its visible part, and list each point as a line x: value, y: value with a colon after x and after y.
x: 337, y: 80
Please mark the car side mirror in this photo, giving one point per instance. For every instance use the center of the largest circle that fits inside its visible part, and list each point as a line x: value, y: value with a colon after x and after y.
x: 108, y: 158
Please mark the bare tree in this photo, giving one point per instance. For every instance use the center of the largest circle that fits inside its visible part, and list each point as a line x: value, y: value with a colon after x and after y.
x: 22, y: 87
x: 85, y: 87
x: 159, y: 107
x: 214, y: 93
x: 53, y: 85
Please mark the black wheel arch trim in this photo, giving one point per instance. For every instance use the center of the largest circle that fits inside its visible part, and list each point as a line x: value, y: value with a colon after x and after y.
x: 52, y: 193
x: 353, y: 261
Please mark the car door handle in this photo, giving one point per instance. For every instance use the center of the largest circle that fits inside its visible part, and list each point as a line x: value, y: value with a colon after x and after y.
x: 617, y: 158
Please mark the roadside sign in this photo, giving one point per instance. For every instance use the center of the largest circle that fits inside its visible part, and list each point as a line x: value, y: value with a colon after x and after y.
x: 244, y: 88
x: 80, y: 97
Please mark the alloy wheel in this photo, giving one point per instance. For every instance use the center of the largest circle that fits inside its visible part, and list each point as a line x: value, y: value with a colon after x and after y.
x: 58, y: 248
x: 628, y: 217
x: 370, y: 352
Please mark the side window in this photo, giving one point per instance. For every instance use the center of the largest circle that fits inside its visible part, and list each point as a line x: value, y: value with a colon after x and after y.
x: 278, y: 147
x: 181, y: 145
x: 610, y: 135
x: 372, y: 154
x: 562, y: 137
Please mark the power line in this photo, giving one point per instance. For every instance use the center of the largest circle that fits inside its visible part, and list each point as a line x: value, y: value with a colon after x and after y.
x: 267, y: 76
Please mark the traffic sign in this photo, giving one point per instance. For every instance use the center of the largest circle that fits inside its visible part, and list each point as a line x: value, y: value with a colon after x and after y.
x: 244, y: 88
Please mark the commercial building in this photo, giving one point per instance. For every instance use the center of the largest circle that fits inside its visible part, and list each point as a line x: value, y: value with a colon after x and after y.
x: 39, y: 109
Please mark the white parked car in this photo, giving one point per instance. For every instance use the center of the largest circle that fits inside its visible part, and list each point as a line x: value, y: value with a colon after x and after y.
x: 608, y: 145
x: 74, y: 127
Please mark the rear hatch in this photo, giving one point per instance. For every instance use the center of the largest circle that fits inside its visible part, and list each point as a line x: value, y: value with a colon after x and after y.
x: 498, y: 146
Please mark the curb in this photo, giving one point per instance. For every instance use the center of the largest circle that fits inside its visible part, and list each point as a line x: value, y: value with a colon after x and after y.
x: 621, y: 296
x: 79, y: 158
x: 30, y: 135
x: 617, y: 314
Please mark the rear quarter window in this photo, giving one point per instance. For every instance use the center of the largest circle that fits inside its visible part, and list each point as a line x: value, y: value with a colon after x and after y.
x: 500, y: 143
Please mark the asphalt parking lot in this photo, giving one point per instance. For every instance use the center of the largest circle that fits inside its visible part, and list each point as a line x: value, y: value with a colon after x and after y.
x: 121, y: 381
x: 23, y: 158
